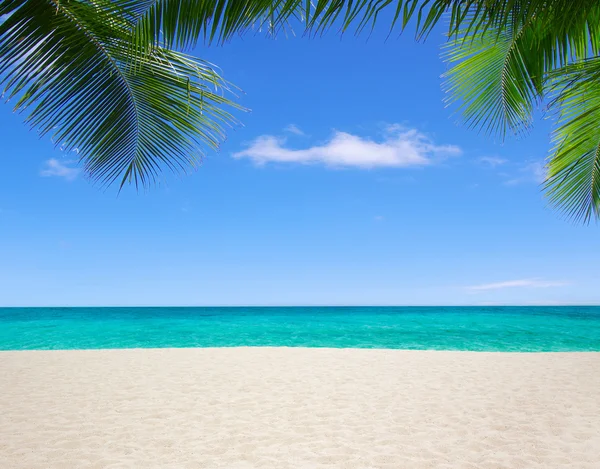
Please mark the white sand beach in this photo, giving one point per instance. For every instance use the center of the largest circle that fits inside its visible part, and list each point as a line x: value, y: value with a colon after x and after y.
x: 298, y: 408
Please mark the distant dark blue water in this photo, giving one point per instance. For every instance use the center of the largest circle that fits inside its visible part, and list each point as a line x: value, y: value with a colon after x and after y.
x: 520, y: 329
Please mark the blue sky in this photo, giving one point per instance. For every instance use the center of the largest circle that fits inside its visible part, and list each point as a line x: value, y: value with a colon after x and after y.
x: 349, y: 183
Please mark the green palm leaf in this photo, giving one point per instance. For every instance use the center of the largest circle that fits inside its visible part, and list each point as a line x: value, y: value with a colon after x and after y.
x: 70, y: 64
x: 498, y: 74
x: 494, y: 79
x: 181, y: 23
x: 574, y: 168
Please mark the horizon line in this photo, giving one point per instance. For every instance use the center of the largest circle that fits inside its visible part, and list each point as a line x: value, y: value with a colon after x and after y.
x: 499, y: 305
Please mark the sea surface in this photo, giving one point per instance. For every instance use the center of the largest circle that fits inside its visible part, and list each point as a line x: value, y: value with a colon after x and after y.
x: 519, y: 329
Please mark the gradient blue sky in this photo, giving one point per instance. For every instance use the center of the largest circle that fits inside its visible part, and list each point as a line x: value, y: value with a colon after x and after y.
x: 350, y: 183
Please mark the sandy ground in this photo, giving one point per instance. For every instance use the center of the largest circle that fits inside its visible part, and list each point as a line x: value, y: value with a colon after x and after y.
x: 298, y: 408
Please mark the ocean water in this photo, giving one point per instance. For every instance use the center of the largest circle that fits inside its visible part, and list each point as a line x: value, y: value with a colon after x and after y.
x: 521, y: 329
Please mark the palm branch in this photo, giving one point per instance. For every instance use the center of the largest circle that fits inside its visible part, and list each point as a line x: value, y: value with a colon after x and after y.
x: 71, y: 65
x: 500, y: 73
x: 574, y: 169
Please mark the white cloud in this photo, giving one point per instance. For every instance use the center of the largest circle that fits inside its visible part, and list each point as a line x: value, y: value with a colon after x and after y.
x: 537, y: 171
x: 523, y: 283
x: 294, y: 129
x: 400, y: 147
x: 53, y: 167
x: 531, y: 172
x: 186, y: 206
x: 492, y: 161
x: 378, y: 218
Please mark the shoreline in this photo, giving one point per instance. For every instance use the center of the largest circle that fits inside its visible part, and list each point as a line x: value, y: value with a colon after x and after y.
x: 298, y: 407
x: 301, y: 347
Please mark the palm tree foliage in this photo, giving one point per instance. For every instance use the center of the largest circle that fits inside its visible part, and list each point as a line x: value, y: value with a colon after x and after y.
x: 500, y: 72
x: 71, y: 64
x: 105, y: 76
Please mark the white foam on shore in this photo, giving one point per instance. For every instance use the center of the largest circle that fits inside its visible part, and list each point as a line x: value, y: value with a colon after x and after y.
x: 247, y: 408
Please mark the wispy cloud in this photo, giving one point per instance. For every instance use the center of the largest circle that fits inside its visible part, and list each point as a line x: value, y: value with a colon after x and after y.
x: 492, y: 161
x: 186, y: 206
x: 522, y: 283
x: 534, y: 172
x: 399, y: 147
x: 378, y: 218
x: 294, y: 129
x: 55, y: 168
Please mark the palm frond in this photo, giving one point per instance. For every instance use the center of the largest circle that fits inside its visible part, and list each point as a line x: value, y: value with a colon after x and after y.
x: 491, y: 80
x: 573, y: 183
x: 70, y: 65
x: 498, y: 74
x: 476, y: 17
x: 181, y: 23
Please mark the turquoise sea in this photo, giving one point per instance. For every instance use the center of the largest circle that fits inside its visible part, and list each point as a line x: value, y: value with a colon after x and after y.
x: 524, y: 329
